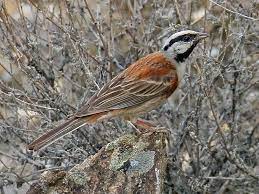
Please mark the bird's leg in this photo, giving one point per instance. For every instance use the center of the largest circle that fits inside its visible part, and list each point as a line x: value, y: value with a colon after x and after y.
x: 141, y: 125
x: 148, y: 126
x: 145, y: 124
x: 133, y: 125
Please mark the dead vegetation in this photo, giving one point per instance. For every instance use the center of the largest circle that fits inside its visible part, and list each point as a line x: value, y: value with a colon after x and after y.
x: 54, y: 55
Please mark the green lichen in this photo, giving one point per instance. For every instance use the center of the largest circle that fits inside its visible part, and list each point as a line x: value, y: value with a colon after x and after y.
x: 142, y: 162
x: 77, y: 178
x: 124, y: 140
x: 127, y: 153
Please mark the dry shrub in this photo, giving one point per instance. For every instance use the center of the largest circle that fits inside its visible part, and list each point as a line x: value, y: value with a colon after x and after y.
x: 56, y: 54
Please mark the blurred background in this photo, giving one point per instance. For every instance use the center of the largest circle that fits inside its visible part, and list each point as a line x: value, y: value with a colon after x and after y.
x: 56, y: 54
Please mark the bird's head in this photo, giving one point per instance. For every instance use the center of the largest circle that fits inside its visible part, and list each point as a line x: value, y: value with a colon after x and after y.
x: 181, y: 44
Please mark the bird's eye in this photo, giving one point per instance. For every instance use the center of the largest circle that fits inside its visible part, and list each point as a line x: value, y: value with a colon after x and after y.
x: 186, y: 38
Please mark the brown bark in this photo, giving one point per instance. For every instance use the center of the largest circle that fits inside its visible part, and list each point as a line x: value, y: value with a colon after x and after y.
x: 130, y: 164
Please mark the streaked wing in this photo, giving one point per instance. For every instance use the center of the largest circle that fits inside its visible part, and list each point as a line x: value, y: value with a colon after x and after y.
x: 148, y: 78
x: 122, y: 93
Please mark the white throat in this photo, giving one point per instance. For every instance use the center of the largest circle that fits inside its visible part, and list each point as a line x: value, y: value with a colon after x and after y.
x: 180, y: 66
x: 180, y: 69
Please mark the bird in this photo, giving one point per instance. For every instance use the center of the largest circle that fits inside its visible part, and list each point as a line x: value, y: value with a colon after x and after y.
x: 138, y: 89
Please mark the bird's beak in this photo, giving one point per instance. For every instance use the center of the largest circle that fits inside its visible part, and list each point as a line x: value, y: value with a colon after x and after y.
x: 202, y: 35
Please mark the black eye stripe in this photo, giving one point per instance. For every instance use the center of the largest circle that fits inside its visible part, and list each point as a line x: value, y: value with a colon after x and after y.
x: 184, y: 38
x: 183, y: 56
x: 166, y: 47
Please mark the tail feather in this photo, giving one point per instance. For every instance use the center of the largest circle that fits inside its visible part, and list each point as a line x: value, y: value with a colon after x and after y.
x: 56, y: 133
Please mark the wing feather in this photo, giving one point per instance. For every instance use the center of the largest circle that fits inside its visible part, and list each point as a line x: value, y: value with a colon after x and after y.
x: 127, y: 94
x: 138, y: 84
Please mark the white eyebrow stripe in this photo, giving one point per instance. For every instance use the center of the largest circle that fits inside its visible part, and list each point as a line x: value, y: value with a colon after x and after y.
x: 182, y: 33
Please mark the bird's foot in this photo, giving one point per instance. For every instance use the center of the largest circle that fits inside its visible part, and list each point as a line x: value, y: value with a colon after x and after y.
x: 144, y: 126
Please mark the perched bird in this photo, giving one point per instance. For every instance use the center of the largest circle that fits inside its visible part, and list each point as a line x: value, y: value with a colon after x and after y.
x: 138, y: 89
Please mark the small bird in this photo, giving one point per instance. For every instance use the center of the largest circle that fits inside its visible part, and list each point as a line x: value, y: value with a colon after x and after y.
x: 140, y: 88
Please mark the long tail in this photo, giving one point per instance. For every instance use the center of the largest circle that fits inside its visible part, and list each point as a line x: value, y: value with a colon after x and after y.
x: 58, y: 132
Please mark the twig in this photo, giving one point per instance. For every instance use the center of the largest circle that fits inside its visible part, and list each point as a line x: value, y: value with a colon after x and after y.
x: 234, y: 12
x: 229, y: 155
